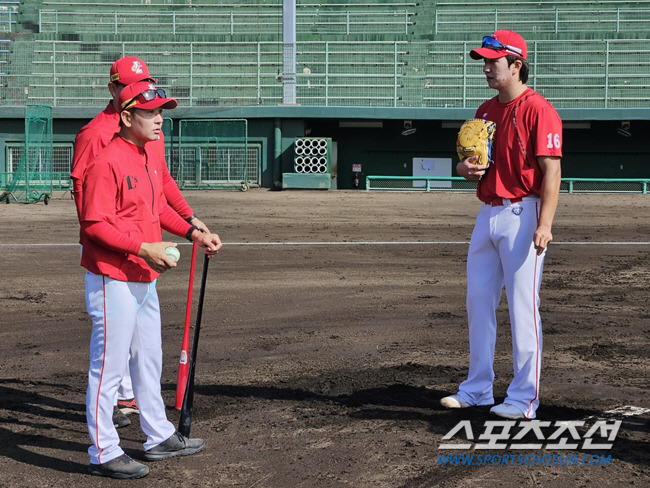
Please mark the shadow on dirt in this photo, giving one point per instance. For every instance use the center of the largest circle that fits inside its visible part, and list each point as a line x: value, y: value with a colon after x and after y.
x: 23, y: 400
x: 403, y: 402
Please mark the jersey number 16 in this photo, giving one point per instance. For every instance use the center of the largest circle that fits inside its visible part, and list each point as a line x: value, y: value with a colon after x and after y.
x: 553, y: 140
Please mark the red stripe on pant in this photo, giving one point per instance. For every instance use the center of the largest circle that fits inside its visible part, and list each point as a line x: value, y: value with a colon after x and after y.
x: 101, y: 376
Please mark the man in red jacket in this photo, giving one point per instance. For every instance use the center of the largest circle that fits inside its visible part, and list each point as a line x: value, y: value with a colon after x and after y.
x: 90, y: 140
x: 123, y: 212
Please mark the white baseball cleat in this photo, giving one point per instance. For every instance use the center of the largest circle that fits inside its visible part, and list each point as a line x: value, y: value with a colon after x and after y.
x: 507, y: 411
x: 454, y: 401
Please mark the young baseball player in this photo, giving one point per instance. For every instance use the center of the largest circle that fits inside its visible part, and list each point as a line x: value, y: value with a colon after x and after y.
x: 91, y: 139
x: 519, y: 192
x: 122, y: 215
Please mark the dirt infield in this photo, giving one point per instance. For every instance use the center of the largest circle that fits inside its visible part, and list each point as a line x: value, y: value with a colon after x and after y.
x: 321, y: 364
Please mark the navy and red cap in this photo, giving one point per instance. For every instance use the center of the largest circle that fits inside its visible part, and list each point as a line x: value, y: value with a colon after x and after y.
x: 501, y: 43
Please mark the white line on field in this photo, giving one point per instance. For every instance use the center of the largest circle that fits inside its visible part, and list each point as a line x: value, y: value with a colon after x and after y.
x: 351, y: 243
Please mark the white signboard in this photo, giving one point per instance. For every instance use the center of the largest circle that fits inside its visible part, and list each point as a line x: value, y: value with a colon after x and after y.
x: 432, y: 167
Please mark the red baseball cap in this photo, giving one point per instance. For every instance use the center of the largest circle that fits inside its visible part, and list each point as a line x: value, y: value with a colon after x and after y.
x: 501, y: 43
x: 129, y: 70
x: 144, y: 95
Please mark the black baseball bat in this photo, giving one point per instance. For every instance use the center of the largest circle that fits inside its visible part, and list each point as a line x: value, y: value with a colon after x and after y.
x: 185, y: 420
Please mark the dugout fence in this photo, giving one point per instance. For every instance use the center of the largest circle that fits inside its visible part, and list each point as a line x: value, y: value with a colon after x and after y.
x: 212, y: 153
x: 458, y: 183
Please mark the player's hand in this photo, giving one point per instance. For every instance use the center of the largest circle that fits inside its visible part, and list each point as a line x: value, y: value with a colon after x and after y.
x: 541, y: 238
x: 470, y: 171
x: 155, y: 256
x: 200, y: 225
x: 210, y: 242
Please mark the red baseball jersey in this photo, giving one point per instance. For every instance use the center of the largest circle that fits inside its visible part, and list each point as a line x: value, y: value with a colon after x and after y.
x: 527, y: 127
x: 95, y: 136
x: 123, y: 206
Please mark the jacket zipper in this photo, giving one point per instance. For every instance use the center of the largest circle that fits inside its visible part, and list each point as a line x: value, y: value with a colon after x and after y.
x: 146, y: 167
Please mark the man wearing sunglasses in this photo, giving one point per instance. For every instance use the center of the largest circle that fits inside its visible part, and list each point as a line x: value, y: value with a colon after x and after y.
x: 123, y: 212
x: 91, y: 139
x: 519, y: 192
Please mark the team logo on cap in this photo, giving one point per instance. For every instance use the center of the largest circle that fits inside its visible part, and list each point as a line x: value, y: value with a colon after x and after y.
x: 137, y: 67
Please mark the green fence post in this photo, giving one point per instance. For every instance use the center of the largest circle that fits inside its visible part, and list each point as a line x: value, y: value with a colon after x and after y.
x: 535, y: 66
x: 191, y: 71
x: 395, y: 74
x: 259, y: 74
x: 464, y: 74
x: 327, y: 71
x: 606, y: 72
x: 54, y: 73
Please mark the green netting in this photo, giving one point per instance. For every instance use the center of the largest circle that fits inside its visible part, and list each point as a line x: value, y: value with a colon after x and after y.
x: 212, y: 153
x: 32, y: 180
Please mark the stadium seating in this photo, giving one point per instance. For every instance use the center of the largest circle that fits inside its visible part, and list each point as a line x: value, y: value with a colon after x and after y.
x: 557, y: 20
x: 219, y: 21
x: 583, y: 54
x: 8, y: 15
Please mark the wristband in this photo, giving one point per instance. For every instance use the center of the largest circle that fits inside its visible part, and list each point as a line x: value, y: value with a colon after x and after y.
x: 188, y: 235
x: 190, y: 218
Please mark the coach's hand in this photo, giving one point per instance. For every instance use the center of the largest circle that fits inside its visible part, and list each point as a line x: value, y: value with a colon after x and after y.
x: 202, y: 227
x: 470, y: 171
x: 155, y: 256
x: 211, y: 242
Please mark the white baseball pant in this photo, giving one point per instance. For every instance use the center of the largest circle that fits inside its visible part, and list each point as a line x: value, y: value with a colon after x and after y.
x: 125, y: 321
x: 502, y: 253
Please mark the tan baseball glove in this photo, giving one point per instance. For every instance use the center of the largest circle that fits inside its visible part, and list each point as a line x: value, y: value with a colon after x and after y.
x: 475, y: 139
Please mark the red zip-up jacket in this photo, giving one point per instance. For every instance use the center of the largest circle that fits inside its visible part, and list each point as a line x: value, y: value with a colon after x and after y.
x: 123, y: 206
x: 95, y: 136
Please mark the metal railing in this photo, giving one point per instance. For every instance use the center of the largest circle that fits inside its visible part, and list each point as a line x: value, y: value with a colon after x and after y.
x: 570, y: 74
x: 212, y: 5
x: 228, y: 23
x: 468, y: 4
x: 543, y: 20
x: 7, y: 19
x: 458, y: 183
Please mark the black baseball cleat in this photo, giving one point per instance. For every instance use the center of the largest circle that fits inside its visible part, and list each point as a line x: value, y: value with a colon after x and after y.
x: 176, y: 445
x: 119, y: 419
x: 122, y: 467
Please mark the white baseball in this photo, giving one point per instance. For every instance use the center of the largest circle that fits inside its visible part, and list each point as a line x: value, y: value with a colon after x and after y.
x: 173, y: 253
